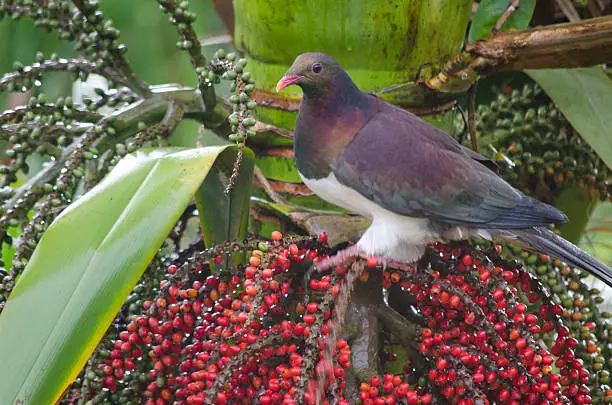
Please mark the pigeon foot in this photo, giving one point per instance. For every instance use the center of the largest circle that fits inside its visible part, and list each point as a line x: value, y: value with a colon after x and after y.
x: 340, y: 258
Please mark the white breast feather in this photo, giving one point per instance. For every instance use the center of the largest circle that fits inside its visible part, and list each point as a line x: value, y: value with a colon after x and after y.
x: 392, y: 236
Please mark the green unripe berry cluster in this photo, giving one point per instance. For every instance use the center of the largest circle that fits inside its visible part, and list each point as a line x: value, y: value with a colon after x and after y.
x: 230, y: 67
x: 591, y: 327
x: 529, y: 130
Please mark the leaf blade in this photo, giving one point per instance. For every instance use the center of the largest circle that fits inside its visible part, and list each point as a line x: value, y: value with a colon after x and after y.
x: 78, y: 277
x: 597, y: 237
x: 225, y: 217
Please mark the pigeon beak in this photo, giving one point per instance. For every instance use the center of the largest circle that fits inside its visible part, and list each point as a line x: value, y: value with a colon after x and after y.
x: 286, y: 81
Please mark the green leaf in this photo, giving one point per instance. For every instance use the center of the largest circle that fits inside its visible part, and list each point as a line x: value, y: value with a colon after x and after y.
x: 396, y: 366
x: 578, y: 206
x: 597, y: 238
x: 87, y: 262
x: 225, y: 217
x: 279, y: 168
x: 8, y: 250
x: 584, y: 97
x: 488, y: 14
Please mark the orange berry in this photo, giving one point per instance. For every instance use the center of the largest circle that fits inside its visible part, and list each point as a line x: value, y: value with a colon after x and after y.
x: 255, y: 261
x: 251, y: 290
x: 214, y: 295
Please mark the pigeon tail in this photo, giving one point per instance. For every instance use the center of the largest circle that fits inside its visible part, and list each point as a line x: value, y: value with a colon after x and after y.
x: 528, y: 213
x: 552, y: 244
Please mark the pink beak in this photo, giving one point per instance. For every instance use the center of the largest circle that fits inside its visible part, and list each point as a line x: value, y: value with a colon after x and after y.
x: 287, y: 80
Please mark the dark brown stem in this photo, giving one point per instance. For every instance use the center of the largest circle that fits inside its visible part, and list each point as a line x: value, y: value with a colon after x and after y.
x: 274, y: 196
x: 406, y: 332
x: 546, y: 297
x: 488, y: 327
x: 235, y: 170
x: 270, y: 340
x: 399, y: 326
x: 481, y: 320
x: 472, y: 117
x: 362, y: 328
x: 341, y: 308
x: 294, y: 189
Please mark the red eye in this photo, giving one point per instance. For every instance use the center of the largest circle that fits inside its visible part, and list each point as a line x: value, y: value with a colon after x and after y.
x: 317, y: 67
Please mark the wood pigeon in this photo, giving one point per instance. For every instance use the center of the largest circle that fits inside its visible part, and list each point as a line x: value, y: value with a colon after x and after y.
x: 416, y: 183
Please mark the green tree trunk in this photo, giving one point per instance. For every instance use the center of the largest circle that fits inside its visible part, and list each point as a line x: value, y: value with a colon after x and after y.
x: 380, y: 44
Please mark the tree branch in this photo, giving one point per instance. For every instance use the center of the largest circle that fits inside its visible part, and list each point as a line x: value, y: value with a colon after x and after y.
x: 125, y: 120
x: 14, y: 116
x: 362, y: 319
x: 60, y: 65
x: 568, y: 45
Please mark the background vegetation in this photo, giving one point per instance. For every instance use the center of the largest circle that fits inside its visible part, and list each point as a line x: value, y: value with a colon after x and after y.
x: 140, y: 262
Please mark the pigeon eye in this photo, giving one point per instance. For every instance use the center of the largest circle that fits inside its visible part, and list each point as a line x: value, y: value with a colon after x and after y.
x: 316, y: 67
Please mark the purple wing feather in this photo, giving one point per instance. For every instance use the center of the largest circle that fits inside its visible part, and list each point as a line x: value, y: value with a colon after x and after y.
x: 410, y: 167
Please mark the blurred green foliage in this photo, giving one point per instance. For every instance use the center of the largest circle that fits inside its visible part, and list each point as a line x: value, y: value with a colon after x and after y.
x: 145, y: 29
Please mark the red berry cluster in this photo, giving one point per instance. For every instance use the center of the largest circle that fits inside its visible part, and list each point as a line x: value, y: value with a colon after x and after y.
x: 393, y: 390
x: 229, y: 338
x: 270, y: 330
x: 484, y: 341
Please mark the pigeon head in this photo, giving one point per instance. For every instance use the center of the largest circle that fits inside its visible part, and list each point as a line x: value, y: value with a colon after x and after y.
x: 316, y: 73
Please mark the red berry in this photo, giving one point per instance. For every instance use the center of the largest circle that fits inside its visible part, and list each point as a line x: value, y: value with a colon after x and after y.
x: 293, y: 249
x: 442, y: 364
x: 520, y: 343
x: 309, y: 319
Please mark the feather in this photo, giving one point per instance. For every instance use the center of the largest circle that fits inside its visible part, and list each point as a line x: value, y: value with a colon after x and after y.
x: 550, y: 243
x: 417, y: 183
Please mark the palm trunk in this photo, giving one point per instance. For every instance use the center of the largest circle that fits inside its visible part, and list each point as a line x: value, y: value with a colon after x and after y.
x: 378, y: 43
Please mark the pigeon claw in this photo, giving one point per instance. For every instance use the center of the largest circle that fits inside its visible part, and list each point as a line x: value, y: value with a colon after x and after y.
x: 340, y: 258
